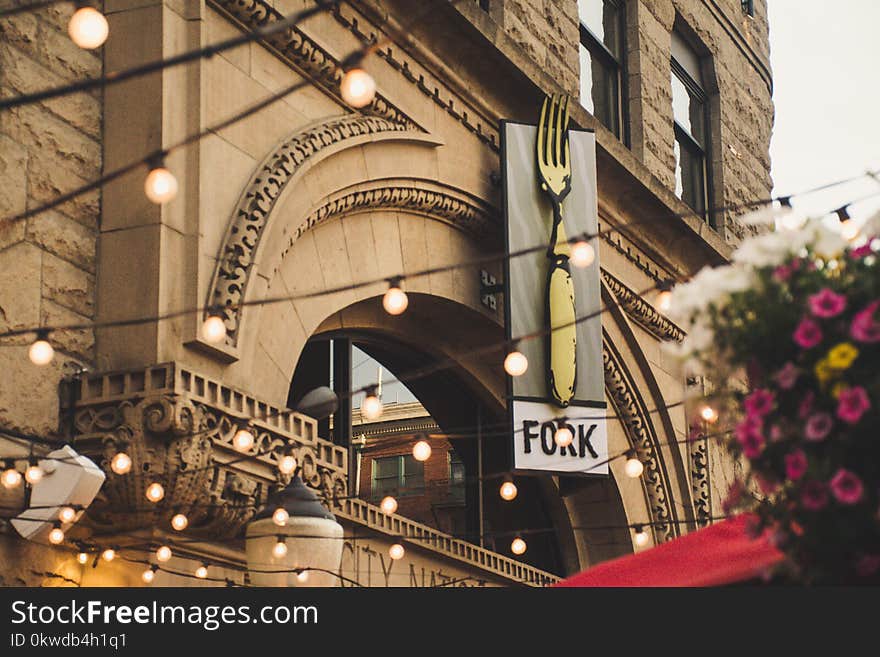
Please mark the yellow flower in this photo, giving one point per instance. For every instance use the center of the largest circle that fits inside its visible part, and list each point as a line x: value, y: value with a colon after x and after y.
x: 838, y: 388
x: 842, y: 356
x: 823, y: 371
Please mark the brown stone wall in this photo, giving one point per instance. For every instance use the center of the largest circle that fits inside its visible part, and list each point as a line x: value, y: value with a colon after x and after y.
x: 47, y: 263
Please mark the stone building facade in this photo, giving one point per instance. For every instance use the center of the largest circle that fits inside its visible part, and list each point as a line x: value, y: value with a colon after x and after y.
x: 308, y: 195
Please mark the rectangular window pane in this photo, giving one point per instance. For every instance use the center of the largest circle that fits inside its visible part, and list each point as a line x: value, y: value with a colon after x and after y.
x: 413, y: 475
x: 681, y: 103
x: 599, y: 90
x: 386, y: 475
x: 690, y: 174
x: 603, y: 19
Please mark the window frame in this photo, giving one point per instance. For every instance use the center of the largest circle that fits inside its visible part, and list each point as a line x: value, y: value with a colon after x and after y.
x: 597, y: 48
x: 401, y: 489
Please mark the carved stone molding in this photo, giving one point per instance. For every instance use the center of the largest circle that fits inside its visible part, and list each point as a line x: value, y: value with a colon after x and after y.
x: 177, y: 427
x: 297, y: 49
x: 642, y: 312
x: 698, y: 452
x: 251, y: 215
x: 632, y: 252
x: 630, y: 409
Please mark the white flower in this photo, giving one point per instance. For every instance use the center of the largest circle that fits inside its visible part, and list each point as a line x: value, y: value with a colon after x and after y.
x: 826, y: 242
x: 711, y: 285
x: 768, y: 250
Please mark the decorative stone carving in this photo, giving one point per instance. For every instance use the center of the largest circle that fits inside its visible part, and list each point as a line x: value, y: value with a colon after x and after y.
x: 642, y: 312
x: 251, y: 215
x: 698, y: 451
x: 630, y: 409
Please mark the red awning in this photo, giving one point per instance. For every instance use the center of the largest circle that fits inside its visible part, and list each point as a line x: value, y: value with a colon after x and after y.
x: 719, y: 554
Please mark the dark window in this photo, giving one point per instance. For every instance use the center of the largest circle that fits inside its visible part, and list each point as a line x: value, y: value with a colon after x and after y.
x: 749, y: 7
x: 691, y: 118
x: 456, y: 476
x: 602, y: 61
x: 398, y: 475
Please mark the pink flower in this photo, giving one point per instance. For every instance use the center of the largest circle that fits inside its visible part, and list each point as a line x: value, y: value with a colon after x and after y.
x: 768, y: 486
x: 787, y: 376
x: 748, y: 433
x: 782, y: 273
x: 846, y: 487
x: 775, y: 434
x: 808, y: 334
x: 814, y: 496
x: 795, y: 465
x: 864, y: 328
x: 861, y: 252
x: 827, y: 303
x: 852, y: 404
x: 818, y: 426
x: 806, y: 405
x: 759, y: 403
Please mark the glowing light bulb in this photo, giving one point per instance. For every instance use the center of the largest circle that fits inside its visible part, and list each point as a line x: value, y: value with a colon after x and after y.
x: 88, y: 28
x: 280, y: 549
x: 563, y: 436
x: 201, y: 572
x: 371, y: 407
x: 388, y: 505
x: 421, y: 451
x: 56, y: 536
x: 582, y: 254
x: 302, y: 577
x: 67, y: 514
x: 396, y: 551
x: 10, y: 478
x: 516, y: 363
x: 82, y: 557
x: 358, y: 88
x: 280, y: 516
x: 108, y: 555
x: 287, y: 464
x: 664, y: 301
x: 160, y: 185
x: 33, y: 474
x: 148, y: 576
x: 641, y: 537
x: 163, y: 553
x: 849, y: 230
x: 518, y: 546
x: 243, y: 440
x: 179, y: 522
x: 709, y: 414
x: 155, y: 492
x: 41, y: 352
x: 508, y: 490
x: 395, y: 300
x: 633, y: 467
x: 121, y: 463
x: 214, y: 328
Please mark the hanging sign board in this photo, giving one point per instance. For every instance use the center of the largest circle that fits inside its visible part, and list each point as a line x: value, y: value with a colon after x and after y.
x: 547, y: 200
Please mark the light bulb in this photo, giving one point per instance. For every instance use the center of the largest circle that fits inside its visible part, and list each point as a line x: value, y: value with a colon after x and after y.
x: 280, y: 516
x: 582, y: 254
x: 56, y: 536
x: 82, y: 557
x: 148, y: 576
x: 280, y: 549
x: 287, y: 464
x: 88, y: 28
x: 303, y: 576
x: 108, y: 555
x: 396, y: 551
x: 388, y: 505
x: 358, y: 88
x: 849, y: 230
x: 664, y: 301
x: 202, y: 572
x: 67, y: 514
x: 395, y: 301
x: 243, y: 440
x: 421, y: 451
x: 641, y: 537
x: 155, y: 492
x: 633, y: 467
x: 163, y: 553
x: 518, y: 546
x: 371, y: 407
x: 179, y: 522
x: 214, y: 328
x: 121, y: 463
x: 516, y: 363
x: 709, y: 414
x: 10, y: 478
x: 160, y: 185
x: 563, y: 436
x: 508, y: 490
x: 41, y: 352
x: 33, y: 474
